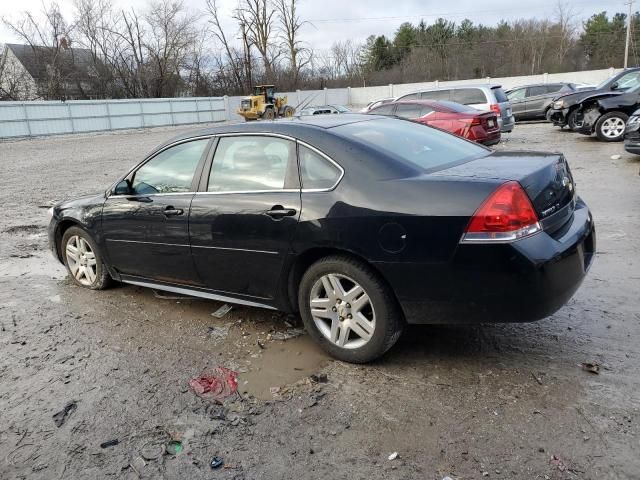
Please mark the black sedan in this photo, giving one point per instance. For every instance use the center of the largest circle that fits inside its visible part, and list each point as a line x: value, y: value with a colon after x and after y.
x: 360, y: 223
x: 632, y: 134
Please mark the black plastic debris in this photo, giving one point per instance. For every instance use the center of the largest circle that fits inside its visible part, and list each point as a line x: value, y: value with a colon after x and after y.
x: 216, y: 462
x: 62, y: 416
x: 110, y: 443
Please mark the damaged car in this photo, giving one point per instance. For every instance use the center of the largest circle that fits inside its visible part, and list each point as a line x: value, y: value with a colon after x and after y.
x: 565, y: 107
x: 632, y: 134
x: 606, y: 114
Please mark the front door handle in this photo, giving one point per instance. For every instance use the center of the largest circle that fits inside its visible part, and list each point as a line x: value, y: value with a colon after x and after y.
x: 170, y: 211
x: 278, y: 211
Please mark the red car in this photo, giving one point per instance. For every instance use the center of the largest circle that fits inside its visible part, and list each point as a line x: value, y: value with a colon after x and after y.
x: 464, y: 121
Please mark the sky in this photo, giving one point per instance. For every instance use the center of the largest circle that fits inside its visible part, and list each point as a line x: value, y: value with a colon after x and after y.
x: 332, y: 20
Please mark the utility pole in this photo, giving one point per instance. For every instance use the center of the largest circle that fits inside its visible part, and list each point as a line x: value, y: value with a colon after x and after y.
x: 626, y: 45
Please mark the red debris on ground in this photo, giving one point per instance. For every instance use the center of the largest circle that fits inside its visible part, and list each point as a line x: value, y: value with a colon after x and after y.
x: 217, y: 385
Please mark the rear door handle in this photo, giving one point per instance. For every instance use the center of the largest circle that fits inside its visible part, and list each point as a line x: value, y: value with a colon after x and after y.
x: 170, y: 211
x: 278, y: 211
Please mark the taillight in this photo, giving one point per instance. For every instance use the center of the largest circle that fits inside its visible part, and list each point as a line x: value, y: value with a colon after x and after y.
x: 495, y: 108
x: 472, y: 121
x: 507, y: 215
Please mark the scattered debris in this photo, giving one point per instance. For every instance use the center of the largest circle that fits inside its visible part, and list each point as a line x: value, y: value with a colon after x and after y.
x: 218, y: 332
x: 216, y: 462
x: 287, y: 335
x: 110, y: 443
x: 536, y: 378
x: 222, y: 311
x: 447, y: 478
x: 616, y: 157
x: 559, y: 464
x: 393, y: 456
x: 260, y: 344
x: 590, y: 367
x: 152, y: 450
x: 218, y: 385
x: 319, y: 378
x: 62, y: 416
x: 174, y: 447
x: 21, y: 255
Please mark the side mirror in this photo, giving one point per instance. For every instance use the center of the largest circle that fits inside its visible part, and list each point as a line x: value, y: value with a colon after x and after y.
x: 123, y: 188
x: 615, y: 86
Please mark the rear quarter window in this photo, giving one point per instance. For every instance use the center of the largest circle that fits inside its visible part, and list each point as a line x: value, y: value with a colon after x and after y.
x: 437, y: 95
x: 469, y: 96
x: 501, y: 97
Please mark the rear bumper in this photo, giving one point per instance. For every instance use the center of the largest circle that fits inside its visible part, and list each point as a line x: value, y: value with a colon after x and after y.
x: 518, y: 282
x: 507, y: 124
x: 491, y: 139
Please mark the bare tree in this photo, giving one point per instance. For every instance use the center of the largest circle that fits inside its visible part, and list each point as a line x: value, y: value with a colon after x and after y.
x: 298, y: 55
x: 236, y: 67
x: 258, y: 16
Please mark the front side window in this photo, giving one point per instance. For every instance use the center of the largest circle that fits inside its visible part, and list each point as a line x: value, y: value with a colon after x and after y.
x: 171, y: 171
x: 535, y: 91
x: 251, y: 163
x: 628, y: 81
x: 316, y: 171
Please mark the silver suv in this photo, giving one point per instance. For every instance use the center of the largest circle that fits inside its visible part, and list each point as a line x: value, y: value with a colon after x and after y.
x: 481, y: 97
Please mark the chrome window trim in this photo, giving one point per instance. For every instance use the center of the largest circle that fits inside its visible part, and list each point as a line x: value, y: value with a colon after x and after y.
x: 148, y: 158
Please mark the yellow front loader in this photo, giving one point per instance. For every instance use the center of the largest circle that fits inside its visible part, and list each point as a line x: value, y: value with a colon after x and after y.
x: 264, y: 104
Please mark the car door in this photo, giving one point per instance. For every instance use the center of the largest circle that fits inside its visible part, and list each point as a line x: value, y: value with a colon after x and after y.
x: 245, y: 214
x: 145, y: 224
x: 535, y: 100
x: 517, y: 98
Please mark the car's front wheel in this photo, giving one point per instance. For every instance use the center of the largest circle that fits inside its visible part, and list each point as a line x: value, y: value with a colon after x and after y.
x: 83, y: 260
x: 349, y: 310
x: 610, y: 126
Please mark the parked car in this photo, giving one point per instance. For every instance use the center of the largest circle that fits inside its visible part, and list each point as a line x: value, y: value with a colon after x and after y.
x: 360, y: 223
x: 632, y: 134
x: 461, y: 120
x: 324, y: 109
x: 606, y: 114
x: 564, y: 107
x: 532, y: 102
x: 480, y: 97
x: 371, y: 105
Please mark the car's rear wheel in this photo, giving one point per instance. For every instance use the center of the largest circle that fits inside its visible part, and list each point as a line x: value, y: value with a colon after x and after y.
x: 348, y: 309
x: 83, y: 260
x: 610, y: 126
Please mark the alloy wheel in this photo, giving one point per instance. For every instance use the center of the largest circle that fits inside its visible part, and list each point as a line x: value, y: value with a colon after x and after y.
x: 613, y: 127
x: 81, y: 260
x: 342, y: 311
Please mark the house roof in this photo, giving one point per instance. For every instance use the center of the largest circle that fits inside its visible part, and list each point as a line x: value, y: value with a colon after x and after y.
x: 76, y: 62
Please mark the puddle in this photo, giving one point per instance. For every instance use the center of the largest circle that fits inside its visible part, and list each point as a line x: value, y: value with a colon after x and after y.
x: 281, y: 363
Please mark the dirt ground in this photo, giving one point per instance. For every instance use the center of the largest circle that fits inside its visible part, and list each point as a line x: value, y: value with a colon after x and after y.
x: 469, y: 402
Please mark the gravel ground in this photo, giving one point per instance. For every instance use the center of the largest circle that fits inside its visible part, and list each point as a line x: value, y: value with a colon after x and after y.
x: 497, y: 401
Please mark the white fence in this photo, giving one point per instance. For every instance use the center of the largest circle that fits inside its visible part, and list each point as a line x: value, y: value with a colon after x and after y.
x: 21, y: 119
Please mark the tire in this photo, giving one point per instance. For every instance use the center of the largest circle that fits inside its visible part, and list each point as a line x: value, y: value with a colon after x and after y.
x: 571, y: 119
x: 269, y: 114
x: 375, y: 307
x: 288, y: 111
x: 610, y: 126
x: 79, y: 240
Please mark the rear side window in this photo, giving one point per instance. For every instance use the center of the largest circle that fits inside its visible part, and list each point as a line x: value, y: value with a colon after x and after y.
x: 383, y: 110
x: 469, y: 96
x: 410, y: 111
x: 516, y: 94
x: 457, y: 107
x: 411, y: 96
x: 501, y: 97
x: 535, y: 91
x: 316, y: 172
x: 554, y: 87
x: 171, y: 171
x: 437, y: 95
x: 248, y: 163
x: 424, y: 147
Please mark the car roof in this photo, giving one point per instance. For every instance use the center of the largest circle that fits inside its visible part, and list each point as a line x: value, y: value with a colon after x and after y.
x: 293, y: 126
x: 540, y: 84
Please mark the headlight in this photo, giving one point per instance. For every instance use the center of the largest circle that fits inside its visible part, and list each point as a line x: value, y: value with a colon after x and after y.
x: 558, y: 105
x: 50, y: 212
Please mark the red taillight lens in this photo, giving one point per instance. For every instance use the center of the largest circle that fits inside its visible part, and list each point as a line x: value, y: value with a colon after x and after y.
x: 495, y: 108
x: 472, y: 121
x: 505, y: 216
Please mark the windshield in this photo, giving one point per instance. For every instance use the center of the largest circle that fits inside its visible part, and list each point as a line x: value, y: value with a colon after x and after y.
x: 425, y: 147
x: 625, y: 82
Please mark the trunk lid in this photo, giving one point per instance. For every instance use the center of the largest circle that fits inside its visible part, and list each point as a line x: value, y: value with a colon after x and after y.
x: 545, y: 177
